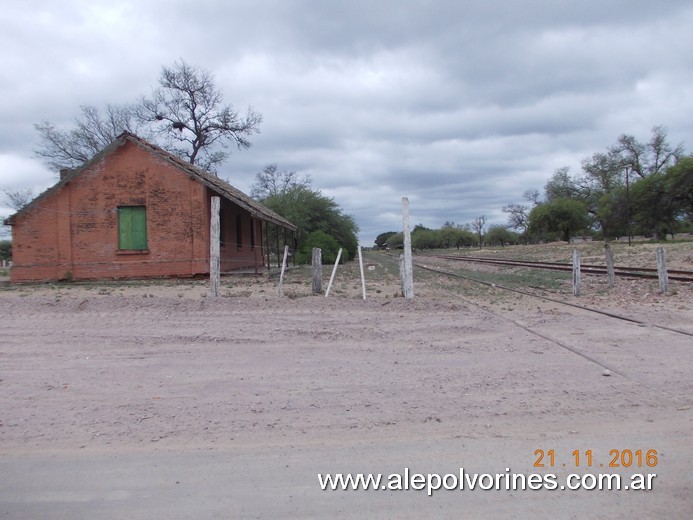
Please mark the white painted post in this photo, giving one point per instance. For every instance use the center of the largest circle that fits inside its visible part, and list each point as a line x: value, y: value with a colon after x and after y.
x: 610, y: 265
x: 662, y: 271
x: 408, y: 289
x: 576, y: 272
x: 334, y: 271
x: 214, y: 240
x: 317, y: 270
x: 363, y: 278
x: 281, y: 275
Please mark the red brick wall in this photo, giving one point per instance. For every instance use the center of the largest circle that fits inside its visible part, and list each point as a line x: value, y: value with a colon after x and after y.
x: 238, y: 252
x: 73, y: 232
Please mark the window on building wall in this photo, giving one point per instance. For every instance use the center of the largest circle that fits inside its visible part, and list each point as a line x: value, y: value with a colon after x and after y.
x: 239, y: 232
x: 132, y: 227
x: 252, y: 233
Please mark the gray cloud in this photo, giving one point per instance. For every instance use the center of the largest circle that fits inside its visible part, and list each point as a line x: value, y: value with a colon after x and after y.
x: 459, y: 105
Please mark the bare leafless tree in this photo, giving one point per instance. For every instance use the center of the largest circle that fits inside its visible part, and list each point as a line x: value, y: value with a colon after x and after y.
x: 185, y: 112
x: 92, y: 132
x: 188, y: 110
x: 649, y: 158
x: 271, y: 181
x: 477, y: 226
x: 17, y: 199
x: 532, y: 195
x: 518, y: 217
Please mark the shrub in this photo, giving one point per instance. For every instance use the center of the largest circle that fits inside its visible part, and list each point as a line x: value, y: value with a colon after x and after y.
x: 322, y: 240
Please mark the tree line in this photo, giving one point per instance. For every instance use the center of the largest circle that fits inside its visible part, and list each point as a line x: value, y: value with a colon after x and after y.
x: 451, y: 235
x: 633, y: 188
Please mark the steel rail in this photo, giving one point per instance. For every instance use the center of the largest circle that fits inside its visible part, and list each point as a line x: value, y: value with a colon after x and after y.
x: 629, y: 272
x: 546, y: 298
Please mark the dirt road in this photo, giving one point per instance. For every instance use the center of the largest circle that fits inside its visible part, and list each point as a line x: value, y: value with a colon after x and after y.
x: 185, y: 407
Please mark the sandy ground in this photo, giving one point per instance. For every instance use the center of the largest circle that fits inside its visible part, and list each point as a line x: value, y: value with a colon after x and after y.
x: 152, y: 400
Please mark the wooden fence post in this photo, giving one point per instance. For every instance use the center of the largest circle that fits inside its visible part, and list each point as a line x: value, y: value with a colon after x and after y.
x: 401, y: 273
x: 610, y: 265
x: 317, y: 270
x: 334, y: 271
x: 214, y: 240
x: 576, y: 272
x: 662, y: 271
x: 408, y: 288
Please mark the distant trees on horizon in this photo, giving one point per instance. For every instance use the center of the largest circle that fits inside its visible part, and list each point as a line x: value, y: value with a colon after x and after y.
x: 634, y: 188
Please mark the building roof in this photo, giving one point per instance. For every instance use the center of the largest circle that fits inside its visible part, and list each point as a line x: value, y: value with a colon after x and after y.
x: 223, y: 188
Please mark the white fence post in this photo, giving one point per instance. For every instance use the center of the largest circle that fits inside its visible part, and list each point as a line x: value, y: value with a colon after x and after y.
x: 334, y: 271
x: 281, y: 275
x: 408, y: 289
x: 363, y: 278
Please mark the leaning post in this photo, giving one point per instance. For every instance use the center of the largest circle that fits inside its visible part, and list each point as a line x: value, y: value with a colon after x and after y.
x: 281, y: 274
x: 334, y: 272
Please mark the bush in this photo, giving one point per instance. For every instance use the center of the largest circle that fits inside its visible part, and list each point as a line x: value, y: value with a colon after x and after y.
x: 322, y: 240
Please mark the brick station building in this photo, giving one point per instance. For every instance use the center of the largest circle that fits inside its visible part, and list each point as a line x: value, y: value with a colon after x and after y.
x: 137, y: 211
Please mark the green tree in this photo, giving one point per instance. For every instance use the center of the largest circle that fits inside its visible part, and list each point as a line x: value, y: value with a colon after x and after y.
x: 560, y: 217
x: 382, y: 239
x: 309, y: 210
x: 498, y: 234
x: 424, y: 238
x: 652, y: 206
x: 561, y: 186
x: 678, y: 182
x: 319, y: 239
x: 5, y: 250
x: 449, y: 236
x: 396, y: 241
x: 601, y: 190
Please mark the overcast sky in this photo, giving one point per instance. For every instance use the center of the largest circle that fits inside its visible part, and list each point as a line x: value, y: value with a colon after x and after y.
x: 461, y: 105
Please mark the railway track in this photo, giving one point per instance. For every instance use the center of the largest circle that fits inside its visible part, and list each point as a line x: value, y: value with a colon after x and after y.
x: 439, y: 271
x: 627, y: 272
